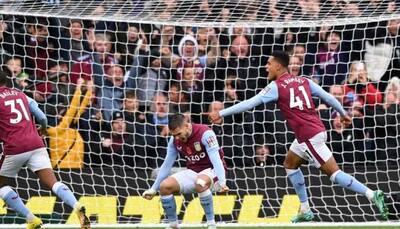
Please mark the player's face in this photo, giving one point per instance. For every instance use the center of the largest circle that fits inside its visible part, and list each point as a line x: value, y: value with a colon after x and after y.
x: 272, y: 68
x: 182, y: 133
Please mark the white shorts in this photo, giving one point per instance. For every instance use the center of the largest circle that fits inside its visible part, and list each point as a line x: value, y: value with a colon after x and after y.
x: 35, y: 160
x: 313, y: 150
x: 187, y: 180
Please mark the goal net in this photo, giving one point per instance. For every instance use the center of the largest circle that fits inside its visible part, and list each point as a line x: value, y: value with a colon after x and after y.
x: 107, y: 73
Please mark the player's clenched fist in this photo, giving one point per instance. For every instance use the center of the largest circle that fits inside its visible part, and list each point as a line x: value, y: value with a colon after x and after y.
x: 149, y: 194
x: 224, y: 189
x: 345, y: 120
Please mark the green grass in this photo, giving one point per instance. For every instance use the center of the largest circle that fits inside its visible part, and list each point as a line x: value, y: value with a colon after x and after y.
x: 260, y: 227
x: 372, y: 227
x: 297, y: 226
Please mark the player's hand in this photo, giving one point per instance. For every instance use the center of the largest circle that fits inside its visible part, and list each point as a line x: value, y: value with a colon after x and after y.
x: 149, y: 194
x: 345, y: 120
x: 224, y: 189
x: 42, y: 131
x: 214, y: 117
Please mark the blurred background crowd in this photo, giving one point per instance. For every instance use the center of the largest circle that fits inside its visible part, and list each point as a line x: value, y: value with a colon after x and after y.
x: 107, y: 87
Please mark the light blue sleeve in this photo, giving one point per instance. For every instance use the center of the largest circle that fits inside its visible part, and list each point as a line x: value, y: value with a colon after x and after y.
x: 267, y: 95
x: 316, y: 90
x: 166, y: 167
x: 209, y: 140
x: 35, y: 110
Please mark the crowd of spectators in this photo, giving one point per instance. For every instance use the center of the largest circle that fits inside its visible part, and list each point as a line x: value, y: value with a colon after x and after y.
x: 107, y: 87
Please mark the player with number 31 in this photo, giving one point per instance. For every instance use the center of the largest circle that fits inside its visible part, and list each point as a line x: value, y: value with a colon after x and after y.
x: 293, y: 96
x: 23, y: 146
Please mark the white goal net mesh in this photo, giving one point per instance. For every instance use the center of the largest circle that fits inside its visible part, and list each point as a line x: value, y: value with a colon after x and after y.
x: 146, y: 59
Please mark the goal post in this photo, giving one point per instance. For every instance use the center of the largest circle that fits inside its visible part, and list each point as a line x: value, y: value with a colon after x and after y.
x: 147, y: 59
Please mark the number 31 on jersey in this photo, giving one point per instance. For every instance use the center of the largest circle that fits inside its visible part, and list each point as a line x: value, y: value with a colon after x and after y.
x: 16, y: 111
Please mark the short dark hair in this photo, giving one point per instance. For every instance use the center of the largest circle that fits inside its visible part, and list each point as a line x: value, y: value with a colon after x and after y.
x: 281, y: 57
x: 4, y: 78
x: 175, y: 121
x: 131, y: 94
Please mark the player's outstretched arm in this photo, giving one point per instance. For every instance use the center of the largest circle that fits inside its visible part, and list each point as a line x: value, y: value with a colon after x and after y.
x: 209, y: 140
x: 164, y: 170
x: 268, y: 94
x: 316, y: 90
x: 39, y: 115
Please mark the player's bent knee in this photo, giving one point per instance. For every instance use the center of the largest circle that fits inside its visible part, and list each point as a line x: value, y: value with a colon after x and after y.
x: 169, y: 186
x: 201, y: 185
x: 287, y: 164
x: 330, y: 167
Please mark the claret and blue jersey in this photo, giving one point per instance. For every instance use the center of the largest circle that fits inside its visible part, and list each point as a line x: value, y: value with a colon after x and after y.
x: 201, y: 151
x: 293, y: 94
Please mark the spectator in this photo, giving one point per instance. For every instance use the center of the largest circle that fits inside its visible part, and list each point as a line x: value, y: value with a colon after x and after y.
x: 117, y: 145
x: 193, y: 88
x: 295, y: 66
x: 58, y: 74
x: 19, y: 78
x: 159, y: 114
x: 338, y: 92
x: 166, y: 39
x: 261, y: 155
x: 94, y: 65
x: 90, y: 34
x: 91, y: 125
x: 36, y: 46
x: 73, y: 43
x: 152, y: 81
x: 306, y: 62
x: 130, y: 43
x: 229, y: 135
x: 250, y: 76
x: 188, y: 52
x: 332, y: 61
x: 60, y: 91
x: 347, y: 144
x: 308, y: 9
x: 130, y: 107
x: 66, y: 144
x: 357, y: 86
x: 6, y: 40
x: 231, y: 96
x: 208, y: 45
x: 389, y: 63
x: 178, y: 100
x: 384, y: 120
x: 136, y: 124
x: 111, y: 95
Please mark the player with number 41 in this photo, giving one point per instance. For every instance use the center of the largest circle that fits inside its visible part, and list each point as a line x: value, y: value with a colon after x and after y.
x: 293, y: 96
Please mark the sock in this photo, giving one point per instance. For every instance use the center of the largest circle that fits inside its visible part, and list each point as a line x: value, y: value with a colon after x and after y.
x: 169, y: 205
x: 299, y: 184
x: 62, y: 191
x: 349, y: 182
x: 14, y: 202
x: 304, y: 207
x: 206, y: 200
